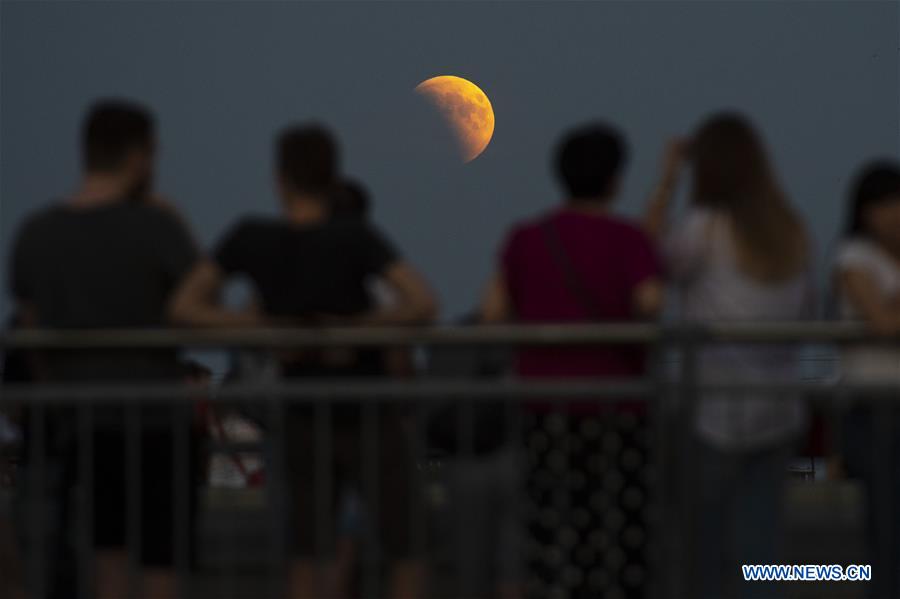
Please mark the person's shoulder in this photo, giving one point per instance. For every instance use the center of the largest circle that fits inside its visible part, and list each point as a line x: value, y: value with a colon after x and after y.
x: 699, y: 216
x: 526, y: 232
x: 255, y: 224
x: 351, y: 230
x: 349, y: 225
x: 525, y: 229
x: 47, y: 216
x: 151, y: 212
x: 856, y: 246
x: 627, y: 225
x: 151, y: 222
x: 696, y: 223
x: 627, y: 229
x: 858, y: 252
x: 534, y: 224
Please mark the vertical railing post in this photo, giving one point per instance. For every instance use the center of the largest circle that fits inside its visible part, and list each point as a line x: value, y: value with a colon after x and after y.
x: 688, y: 389
x: 134, y: 503
x: 86, y: 505
x: 516, y: 443
x: 37, y: 506
x: 418, y: 463
x: 465, y: 453
x: 182, y: 522
x: 882, y: 490
x: 322, y: 475
x: 276, y: 491
x: 370, y: 461
x: 661, y: 487
x: 231, y: 541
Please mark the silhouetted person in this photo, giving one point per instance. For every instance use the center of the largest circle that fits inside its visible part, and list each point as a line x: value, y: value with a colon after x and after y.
x: 867, y: 277
x: 308, y: 266
x: 741, y: 253
x: 100, y: 258
x: 582, y: 263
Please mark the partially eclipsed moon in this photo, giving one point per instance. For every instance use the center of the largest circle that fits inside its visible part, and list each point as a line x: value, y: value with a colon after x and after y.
x: 466, y: 108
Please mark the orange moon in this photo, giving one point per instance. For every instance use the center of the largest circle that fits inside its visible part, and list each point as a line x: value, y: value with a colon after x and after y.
x: 466, y: 108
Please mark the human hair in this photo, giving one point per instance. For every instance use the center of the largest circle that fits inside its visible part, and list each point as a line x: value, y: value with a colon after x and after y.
x: 732, y: 175
x: 113, y: 128
x: 307, y: 159
x: 877, y: 182
x: 352, y: 199
x: 589, y: 160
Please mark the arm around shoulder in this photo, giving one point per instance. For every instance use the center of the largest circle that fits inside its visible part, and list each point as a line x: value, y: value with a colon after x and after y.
x: 196, y: 301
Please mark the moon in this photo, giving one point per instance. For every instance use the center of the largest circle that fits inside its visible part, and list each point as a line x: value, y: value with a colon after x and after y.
x: 466, y: 109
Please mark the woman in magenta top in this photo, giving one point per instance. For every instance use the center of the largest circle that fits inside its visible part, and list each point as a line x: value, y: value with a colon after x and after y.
x: 618, y: 269
x: 582, y: 263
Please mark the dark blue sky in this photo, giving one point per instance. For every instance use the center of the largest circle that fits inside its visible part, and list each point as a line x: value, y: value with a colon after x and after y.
x: 820, y: 79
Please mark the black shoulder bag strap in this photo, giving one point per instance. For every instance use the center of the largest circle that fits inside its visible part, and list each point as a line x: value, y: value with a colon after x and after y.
x: 574, y: 283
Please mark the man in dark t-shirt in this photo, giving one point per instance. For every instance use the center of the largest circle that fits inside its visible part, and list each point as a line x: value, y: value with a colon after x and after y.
x: 325, y: 281
x: 105, y: 258
x: 305, y: 269
x: 105, y: 265
x: 310, y: 266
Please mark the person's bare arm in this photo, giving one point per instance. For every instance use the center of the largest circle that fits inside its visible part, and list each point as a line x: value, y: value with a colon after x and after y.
x: 415, y: 302
x: 196, y: 301
x: 647, y: 298
x: 882, y: 316
x: 657, y: 211
x: 495, y: 304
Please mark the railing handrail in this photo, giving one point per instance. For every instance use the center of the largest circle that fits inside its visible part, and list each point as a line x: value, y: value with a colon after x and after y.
x: 424, y: 390
x: 443, y: 335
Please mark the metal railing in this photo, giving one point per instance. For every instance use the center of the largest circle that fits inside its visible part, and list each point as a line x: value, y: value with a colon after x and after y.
x: 671, y: 398
x: 534, y: 334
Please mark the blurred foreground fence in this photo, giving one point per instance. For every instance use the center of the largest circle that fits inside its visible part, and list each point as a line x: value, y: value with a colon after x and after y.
x: 251, y: 537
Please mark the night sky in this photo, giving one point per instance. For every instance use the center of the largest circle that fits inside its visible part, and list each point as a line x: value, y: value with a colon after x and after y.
x: 819, y: 78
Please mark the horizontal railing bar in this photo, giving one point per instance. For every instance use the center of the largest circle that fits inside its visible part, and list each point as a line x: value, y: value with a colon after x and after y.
x: 543, y: 334
x: 352, y: 391
x: 821, y: 331
x: 331, y: 336
x: 339, y: 390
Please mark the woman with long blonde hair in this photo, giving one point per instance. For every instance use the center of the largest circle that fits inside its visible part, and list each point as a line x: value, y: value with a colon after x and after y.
x: 740, y: 253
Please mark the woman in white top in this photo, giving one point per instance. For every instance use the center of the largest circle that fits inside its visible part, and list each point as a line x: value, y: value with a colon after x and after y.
x: 867, y: 280
x: 740, y: 253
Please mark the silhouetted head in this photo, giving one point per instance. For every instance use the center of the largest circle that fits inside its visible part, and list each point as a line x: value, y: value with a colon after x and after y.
x: 589, y: 162
x: 875, y: 204
x: 351, y: 199
x: 729, y: 162
x: 732, y: 175
x: 307, y: 161
x: 118, y: 138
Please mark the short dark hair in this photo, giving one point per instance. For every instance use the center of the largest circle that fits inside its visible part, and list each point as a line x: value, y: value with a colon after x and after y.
x: 307, y: 157
x: 877, y: 182
x: 111, y: 129
x: 589, y: 158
